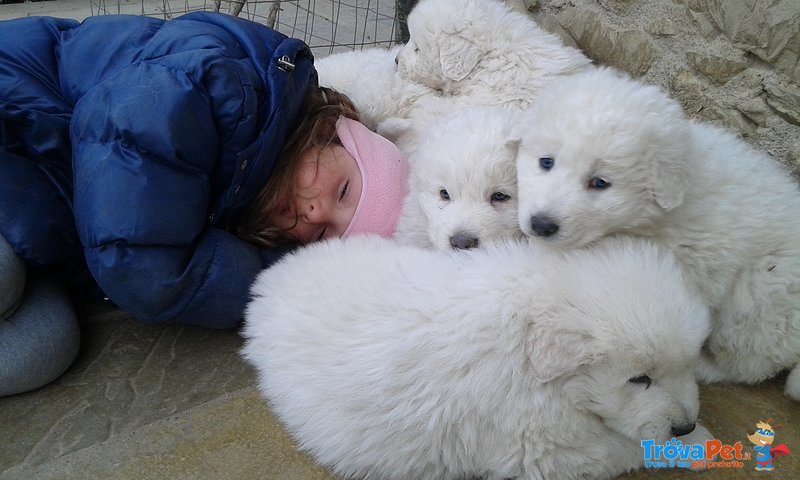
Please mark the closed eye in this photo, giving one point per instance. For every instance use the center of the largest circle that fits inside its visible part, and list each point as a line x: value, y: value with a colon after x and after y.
x: 642, y: 380
x: 344, y: 190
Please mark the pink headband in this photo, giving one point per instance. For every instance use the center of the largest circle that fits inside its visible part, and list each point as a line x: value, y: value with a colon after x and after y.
x: 384, y: 179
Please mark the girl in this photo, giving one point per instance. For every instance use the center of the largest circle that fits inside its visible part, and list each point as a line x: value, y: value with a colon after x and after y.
x: 162, y: 165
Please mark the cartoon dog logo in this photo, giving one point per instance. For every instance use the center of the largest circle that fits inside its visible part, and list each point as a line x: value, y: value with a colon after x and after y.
x: 762, y: 441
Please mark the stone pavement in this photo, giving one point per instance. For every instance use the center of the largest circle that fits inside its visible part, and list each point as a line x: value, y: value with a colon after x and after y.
x: 145, y: 402
x: 176, y: 402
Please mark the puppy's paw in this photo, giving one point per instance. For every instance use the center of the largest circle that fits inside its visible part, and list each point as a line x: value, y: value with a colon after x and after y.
x: 698, y: 437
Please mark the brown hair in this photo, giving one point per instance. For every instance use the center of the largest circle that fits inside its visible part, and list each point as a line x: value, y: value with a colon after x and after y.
x: 316, y: 129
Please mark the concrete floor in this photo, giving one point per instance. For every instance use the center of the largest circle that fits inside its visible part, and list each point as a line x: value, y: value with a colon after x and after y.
x: 176, y: 402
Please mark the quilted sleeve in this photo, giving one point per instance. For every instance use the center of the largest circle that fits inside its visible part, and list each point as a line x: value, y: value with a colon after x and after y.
x: 146, y: 143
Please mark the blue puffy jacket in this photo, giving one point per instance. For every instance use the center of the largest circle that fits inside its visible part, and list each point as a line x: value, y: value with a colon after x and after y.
x: 127, y: 143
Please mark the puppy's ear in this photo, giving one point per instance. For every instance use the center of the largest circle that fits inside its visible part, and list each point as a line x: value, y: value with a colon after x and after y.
x: 670, y: 180
x: 554, y: 351
x: 458, y: 56
x: 670, y: 144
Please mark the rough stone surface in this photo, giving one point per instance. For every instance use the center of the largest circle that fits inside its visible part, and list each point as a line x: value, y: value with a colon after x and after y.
x: 716, y: 67
x: 770, y: 30
x: 734, y: 63
x: 609, y: 44
x: 784, y: 98
x: 691, y: 91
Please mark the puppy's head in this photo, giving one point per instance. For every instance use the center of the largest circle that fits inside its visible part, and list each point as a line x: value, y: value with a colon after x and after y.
x: 441, y: 49
x: 624, y: 336
x: 464, y: 178
x: 600, y: 154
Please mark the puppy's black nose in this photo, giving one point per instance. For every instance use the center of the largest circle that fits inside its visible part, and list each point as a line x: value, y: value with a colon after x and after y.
x: 543, y: 226
x: 681, y: 430
x: 463, y: 241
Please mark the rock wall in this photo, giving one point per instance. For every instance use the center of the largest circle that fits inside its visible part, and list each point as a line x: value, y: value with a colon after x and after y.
x: 734, y: 63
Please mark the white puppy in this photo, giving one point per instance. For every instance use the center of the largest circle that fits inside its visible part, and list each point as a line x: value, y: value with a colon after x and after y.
x: 393, y: 362
x: 483, y: 52
x: 474, y: 52
x: 603, y: 154
x: 463, y: 182
x: 369, y: 77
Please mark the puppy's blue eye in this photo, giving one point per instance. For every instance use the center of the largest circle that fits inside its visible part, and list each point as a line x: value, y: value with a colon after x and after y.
x: 499, y: 197
x: 546, y: 163
x: 444, y: 195
x: 642, y: 379
x: 598, y: 183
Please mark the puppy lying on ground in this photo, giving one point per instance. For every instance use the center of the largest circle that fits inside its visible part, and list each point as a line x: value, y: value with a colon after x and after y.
x: 483, y: 52
x: 603, y: 154
x: 463, y: 182
x: 474, y: 52
x: 394, y: 362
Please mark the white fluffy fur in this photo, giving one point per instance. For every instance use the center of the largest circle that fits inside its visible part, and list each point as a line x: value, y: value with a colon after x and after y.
x: 483, y: 52
x: 369, y: 77
x: 471, y: 156
x: 394, y: 362
x: 730, y: 213
x: 474, y: 52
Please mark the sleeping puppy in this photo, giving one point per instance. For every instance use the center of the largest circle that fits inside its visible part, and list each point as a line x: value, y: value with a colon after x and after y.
x: 388, y: 361
x: 474, y: 52
x: 483, y: 52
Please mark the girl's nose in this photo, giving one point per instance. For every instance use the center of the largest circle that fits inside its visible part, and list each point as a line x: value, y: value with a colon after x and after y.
x: 312, y: 211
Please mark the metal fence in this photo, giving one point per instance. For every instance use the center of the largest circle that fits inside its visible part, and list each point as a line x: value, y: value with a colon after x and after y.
x: 327, y: 26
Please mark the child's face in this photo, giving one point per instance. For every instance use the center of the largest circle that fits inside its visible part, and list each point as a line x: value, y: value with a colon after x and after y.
x: 327, y: 189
